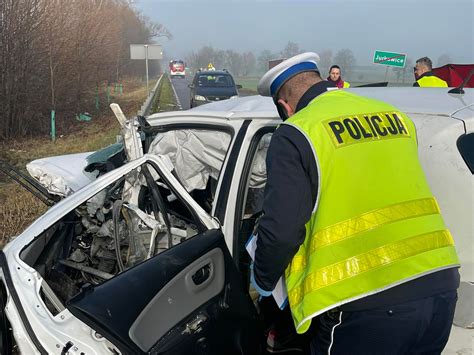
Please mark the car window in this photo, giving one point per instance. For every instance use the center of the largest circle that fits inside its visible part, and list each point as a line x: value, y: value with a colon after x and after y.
x: 466, y: 148
x: 218, y: 80
x: 257, y: 178
x: 126, y: 223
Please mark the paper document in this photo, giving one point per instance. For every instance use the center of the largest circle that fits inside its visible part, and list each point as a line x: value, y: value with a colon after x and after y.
x: 279, y: 293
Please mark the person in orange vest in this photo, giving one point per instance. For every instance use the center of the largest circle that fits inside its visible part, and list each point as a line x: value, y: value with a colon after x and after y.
x: 350, y: 221
x: 425, y: 77
x: 336, y: 78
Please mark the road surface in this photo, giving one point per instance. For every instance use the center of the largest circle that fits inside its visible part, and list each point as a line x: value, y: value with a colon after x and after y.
x: 182, y: 91
x: 184, y: 95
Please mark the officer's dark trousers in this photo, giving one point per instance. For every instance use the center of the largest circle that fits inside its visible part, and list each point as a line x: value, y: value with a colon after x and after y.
x: 416, y: 327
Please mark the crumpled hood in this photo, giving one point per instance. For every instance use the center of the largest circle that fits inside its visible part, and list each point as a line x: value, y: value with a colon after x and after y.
x: 61, y: 175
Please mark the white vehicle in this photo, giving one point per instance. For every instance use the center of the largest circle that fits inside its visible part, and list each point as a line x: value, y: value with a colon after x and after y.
x: 149, y: 257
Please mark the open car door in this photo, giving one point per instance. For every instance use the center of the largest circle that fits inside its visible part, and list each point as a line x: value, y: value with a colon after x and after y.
x: 188, y: 299
x: 133, y: 260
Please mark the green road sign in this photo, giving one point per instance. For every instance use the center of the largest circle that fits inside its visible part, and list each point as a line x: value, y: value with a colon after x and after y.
x: 390, y: 58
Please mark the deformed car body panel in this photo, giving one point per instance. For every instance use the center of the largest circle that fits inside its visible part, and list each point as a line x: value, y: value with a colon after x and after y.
x: 62, y: 175
x: 58, y: 329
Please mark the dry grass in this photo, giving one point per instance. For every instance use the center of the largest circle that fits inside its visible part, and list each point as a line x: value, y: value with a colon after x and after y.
x: 82, y: 137
x: 18, y: 208
x: 167, y: 100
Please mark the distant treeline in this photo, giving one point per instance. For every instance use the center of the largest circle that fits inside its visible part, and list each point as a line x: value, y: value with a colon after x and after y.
x: 249, y: 63
x: 55, y: 53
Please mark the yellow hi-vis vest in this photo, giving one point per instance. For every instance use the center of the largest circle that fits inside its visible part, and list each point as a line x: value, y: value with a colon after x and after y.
x: 432, y: 81
x: 346, y: 85
x: 376, y: 223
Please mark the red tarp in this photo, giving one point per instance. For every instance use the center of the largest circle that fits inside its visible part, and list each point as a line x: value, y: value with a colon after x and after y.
x: 454, y: 74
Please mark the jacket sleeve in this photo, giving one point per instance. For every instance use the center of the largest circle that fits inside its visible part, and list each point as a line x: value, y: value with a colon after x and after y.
x: 287, y: 205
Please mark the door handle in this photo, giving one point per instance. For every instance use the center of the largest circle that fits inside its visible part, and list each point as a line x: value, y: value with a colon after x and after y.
x: 202, y: 274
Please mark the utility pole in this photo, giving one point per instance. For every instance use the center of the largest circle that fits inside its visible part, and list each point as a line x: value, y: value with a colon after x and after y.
x: 146, y: 69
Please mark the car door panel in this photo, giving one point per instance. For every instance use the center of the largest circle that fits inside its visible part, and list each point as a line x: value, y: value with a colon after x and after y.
x: 186, y: 297
x: 198, y: 283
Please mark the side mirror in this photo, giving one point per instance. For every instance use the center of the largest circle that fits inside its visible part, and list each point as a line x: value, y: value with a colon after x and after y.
x: 238, y: 86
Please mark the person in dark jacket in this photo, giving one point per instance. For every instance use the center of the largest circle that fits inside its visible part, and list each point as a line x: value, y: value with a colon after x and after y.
x: 335, y: 77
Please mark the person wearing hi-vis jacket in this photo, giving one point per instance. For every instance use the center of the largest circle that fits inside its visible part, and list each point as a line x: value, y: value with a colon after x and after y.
x: 350, y: 221
x: 425, y: 77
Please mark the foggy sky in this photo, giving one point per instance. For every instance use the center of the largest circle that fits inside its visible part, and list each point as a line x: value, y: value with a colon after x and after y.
x: 417, y: 28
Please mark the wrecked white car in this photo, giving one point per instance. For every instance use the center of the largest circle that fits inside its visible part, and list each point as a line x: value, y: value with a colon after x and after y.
x: 146, y: 253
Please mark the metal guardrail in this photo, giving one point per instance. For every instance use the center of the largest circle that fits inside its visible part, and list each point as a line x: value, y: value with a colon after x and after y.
x: 147, y: 105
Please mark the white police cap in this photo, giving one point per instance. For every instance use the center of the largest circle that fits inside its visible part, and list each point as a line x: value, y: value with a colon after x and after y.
x: 274, y: 79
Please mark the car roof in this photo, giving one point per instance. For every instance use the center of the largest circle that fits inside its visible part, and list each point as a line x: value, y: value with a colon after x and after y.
x: 239, y: 108
x: 430, y: 101
x: 434, y: 101
x: 213, y: 72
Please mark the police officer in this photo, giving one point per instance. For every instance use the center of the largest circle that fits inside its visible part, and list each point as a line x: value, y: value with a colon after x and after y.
x: 350, y: 220
x: 425, y: 77
x: 336, y: 78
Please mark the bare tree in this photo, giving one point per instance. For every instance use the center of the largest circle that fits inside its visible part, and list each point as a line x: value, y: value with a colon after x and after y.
x: 346, y: 60
x: 325, y: 61
x: 203, y: 57
x: 264, y: 57
x: 405, y: 72
x: 291, y: 49
x: 20, y: 23
x: 234, y: 62
x: 249, y: 62
x: 192, y: 60
x: 53, y: 53
x: 408, y: 71
x: 219, y: 59
x: 398, y: 72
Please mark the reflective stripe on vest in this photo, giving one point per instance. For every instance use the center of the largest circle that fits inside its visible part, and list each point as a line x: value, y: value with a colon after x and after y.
x: 374, y: 258
x: 375, y: 223
x: 432, y: 81
x: 352, y: 227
